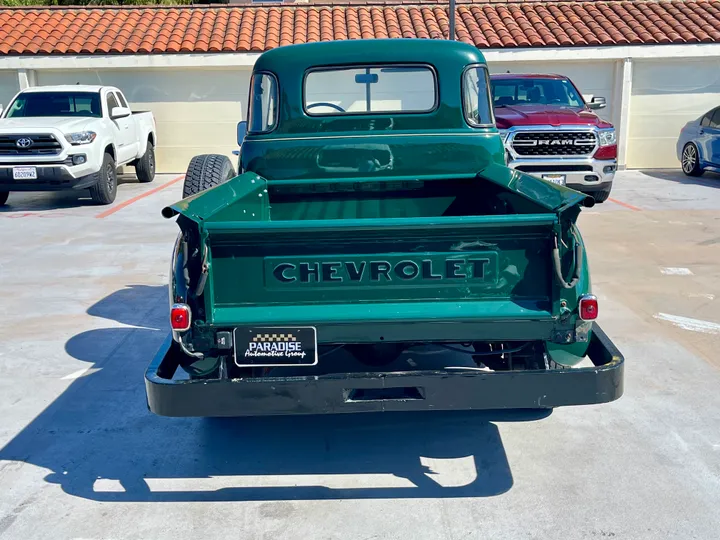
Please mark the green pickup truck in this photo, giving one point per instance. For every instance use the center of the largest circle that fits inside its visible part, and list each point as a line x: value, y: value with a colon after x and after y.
x: 373, y: 253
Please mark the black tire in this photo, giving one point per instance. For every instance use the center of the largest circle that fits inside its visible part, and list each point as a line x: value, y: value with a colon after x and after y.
x: 690, y: 161
x: 4, y: 197
x: 105, y: 190
x: 601, y: 196
x: 145, y: 166
x: 205, y: 172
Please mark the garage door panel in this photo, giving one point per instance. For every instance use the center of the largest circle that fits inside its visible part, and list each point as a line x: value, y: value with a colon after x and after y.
x: 204, y: 134
x: 596, y: 78
x: 175, y: 159
x: 657, y: 153
x: 9, y: 86
x: 657, y: 125
x: 666, y: 95
x: 212, y: 111
x: 196, y: 110
x: 161, y: 85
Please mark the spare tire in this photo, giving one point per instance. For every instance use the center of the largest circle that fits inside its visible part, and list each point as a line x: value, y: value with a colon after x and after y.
x: 205, y: 172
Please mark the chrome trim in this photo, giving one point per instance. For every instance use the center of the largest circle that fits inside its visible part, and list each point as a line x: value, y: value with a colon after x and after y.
x: 33, y: 148
x: 189, y: 311
x: 513, y: 131
x: 572, y: 178
x: 586, y: 297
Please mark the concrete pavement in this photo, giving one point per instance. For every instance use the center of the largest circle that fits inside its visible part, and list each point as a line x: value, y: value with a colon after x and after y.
x: 85, y: 307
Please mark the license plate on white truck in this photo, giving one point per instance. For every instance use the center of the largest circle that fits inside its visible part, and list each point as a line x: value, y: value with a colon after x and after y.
x: 24, y: 173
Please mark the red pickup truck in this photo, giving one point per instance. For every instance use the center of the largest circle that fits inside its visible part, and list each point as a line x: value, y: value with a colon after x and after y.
x: 550, y: 131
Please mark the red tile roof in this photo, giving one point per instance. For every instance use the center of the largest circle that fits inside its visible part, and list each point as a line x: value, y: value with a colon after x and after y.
x: 149, y: 30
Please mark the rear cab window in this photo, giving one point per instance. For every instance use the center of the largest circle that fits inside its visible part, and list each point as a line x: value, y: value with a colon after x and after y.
x: 375, y: 89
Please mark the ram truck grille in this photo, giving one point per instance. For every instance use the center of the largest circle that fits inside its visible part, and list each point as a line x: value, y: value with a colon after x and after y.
x: 41, y: 145
x: 554, y: 143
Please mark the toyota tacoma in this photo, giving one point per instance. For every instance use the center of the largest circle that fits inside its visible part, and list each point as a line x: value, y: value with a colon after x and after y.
x: 73, y: 137
x: 374, y: 253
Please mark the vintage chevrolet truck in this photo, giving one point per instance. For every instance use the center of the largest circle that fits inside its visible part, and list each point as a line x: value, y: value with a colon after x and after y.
x: 374, y: 253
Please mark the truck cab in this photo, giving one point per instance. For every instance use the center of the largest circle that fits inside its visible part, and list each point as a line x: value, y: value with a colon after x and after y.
x: 385, y: 118
x: 373, y: 224
x: 550, y: 131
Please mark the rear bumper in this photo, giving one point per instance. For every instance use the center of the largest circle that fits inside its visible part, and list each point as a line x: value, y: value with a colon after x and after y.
x: 367, y: 392
x: 583, y: 174
x: 53, y: 177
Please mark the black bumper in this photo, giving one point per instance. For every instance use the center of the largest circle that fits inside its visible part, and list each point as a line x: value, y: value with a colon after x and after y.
x: 50, y: 178
x: 402, y: 391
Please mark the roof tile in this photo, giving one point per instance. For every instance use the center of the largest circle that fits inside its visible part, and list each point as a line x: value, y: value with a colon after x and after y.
x: 484, y: 23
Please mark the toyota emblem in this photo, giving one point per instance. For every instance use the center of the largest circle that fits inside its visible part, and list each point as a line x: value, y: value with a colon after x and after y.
x: 24, y: 142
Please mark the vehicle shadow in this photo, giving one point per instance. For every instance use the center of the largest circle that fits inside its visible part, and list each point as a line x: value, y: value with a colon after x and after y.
x: 38, y: 201
x: 709, y: 179
x: 98, y: 440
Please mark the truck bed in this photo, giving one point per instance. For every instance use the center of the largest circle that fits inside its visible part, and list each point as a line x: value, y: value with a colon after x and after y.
x: 380, y: 260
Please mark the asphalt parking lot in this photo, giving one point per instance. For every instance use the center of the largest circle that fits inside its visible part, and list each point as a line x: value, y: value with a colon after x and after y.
x: 85, y: 307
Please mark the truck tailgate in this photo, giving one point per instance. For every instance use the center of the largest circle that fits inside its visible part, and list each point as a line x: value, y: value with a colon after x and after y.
x: 411, y: 269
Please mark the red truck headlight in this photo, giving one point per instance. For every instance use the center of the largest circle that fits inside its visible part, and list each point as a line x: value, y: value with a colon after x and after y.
x: 180, y: 317
x: 588, y: 307
x: 607, y: 140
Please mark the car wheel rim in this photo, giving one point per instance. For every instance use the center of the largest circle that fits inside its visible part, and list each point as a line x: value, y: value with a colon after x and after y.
x: 689, y: 157
x: 110, y: 175
x: 151, y: 162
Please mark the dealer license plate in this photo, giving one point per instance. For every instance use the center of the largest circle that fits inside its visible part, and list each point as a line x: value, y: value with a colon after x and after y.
x: 24, y: 173
x: 555, y: 178
x: 273, y: 346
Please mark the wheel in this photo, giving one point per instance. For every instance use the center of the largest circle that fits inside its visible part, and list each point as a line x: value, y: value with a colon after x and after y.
x: 205, y: 172
x: 691, y: 160
x: 601, y: 196
x: 145, y: 167
x: 105, y: 190
x: 4, y: 197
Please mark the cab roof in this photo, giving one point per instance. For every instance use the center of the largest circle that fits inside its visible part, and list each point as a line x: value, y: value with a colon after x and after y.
x: 329, y: 53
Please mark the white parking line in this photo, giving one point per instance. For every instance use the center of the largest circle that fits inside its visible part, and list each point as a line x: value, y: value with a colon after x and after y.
x: 672, y: 271
x: 694, y: 325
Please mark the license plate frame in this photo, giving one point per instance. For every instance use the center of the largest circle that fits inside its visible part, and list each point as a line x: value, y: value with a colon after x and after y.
x: 24, y: 173
x: 559, y: 179
x: 263, y: 346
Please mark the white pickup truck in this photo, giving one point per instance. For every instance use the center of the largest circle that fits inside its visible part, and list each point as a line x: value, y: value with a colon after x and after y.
x: 73, y: 137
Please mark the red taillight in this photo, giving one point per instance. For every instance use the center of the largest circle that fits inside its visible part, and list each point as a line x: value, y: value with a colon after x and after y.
x: 588, y: 307
x: 607, y: 152
x: 180, y: 317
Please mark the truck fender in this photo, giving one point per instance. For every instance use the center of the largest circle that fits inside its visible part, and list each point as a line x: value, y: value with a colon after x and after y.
x: 104, y: 145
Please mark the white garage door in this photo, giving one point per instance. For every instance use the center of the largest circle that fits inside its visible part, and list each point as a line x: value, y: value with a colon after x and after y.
x: 666, y: 94
x: 196, y: 110
x: 8, y: 87
x: 596, y: 78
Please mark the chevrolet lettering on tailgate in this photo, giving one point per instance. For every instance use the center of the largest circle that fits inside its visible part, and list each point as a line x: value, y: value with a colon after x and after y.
x: 396, y: 269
